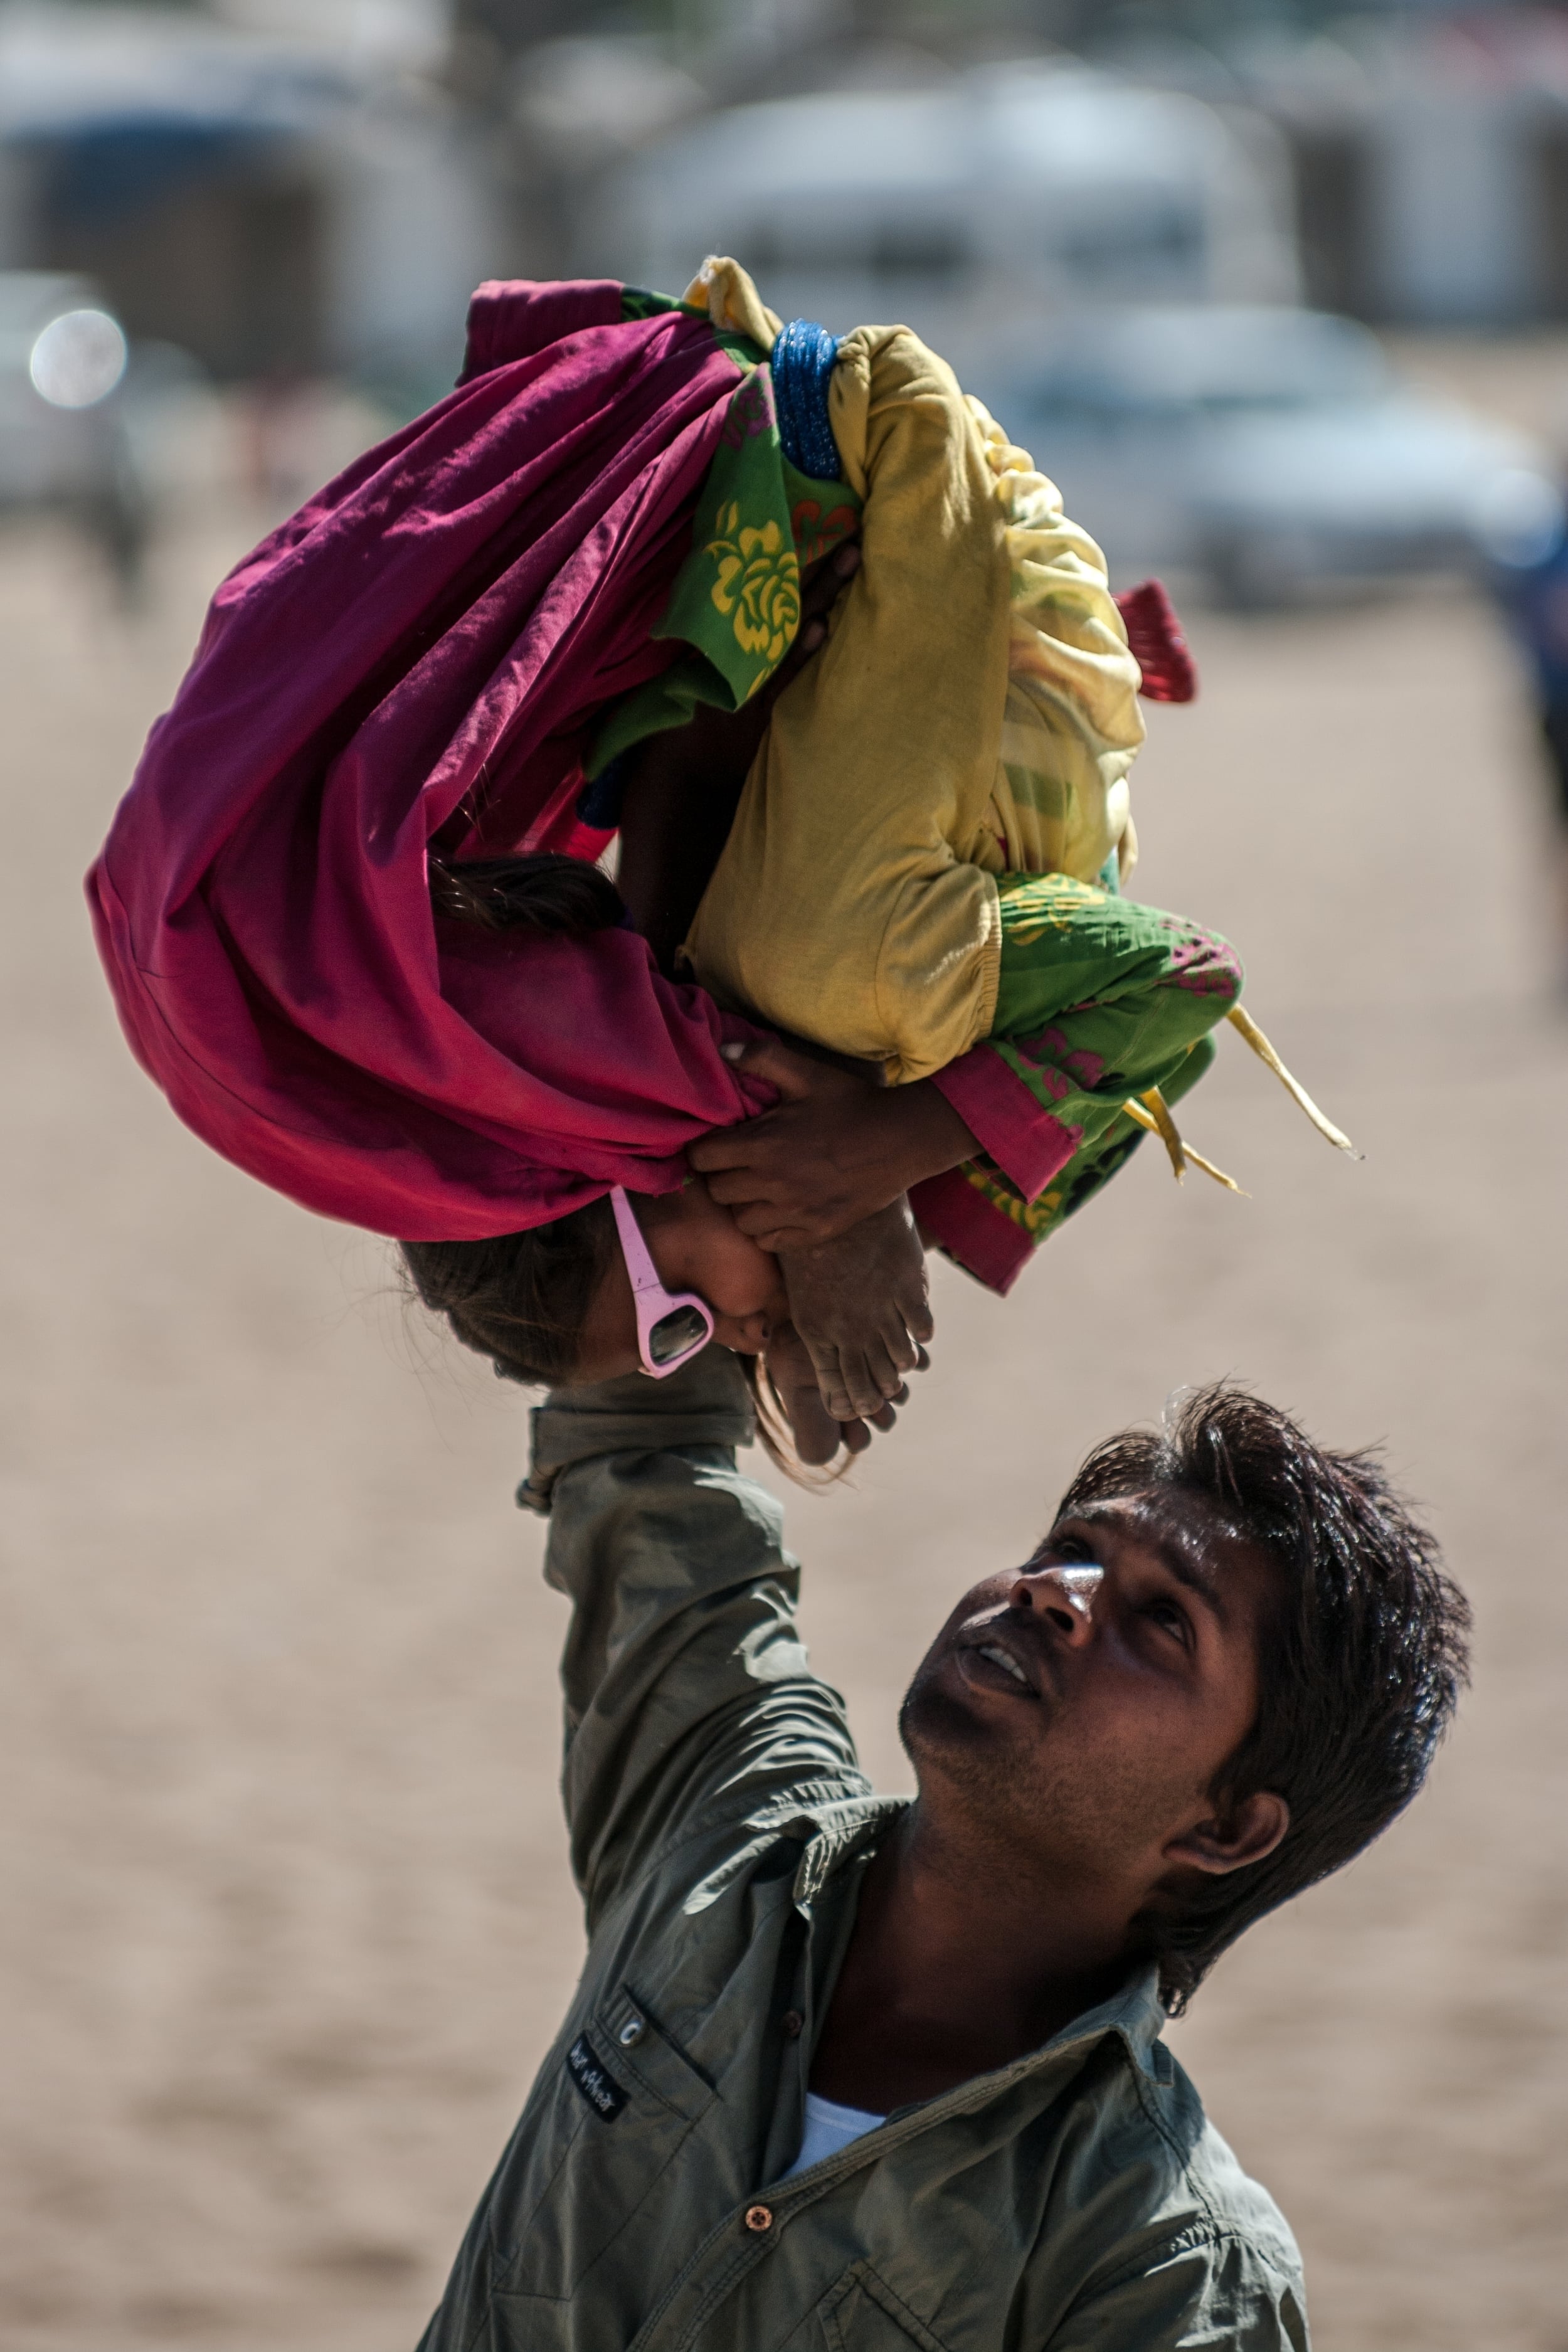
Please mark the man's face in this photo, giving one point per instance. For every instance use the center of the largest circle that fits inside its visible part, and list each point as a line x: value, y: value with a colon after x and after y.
x: 1078, y: 1709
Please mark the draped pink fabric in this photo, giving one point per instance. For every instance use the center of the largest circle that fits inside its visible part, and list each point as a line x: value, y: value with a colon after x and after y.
x: 413, y: 659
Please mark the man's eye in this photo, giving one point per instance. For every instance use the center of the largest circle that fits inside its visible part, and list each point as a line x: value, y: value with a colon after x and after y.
x: 1167, y: 1614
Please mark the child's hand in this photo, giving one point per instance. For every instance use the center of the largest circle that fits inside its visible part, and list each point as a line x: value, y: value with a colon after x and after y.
x: 818, y: 1436
x: 840, y: 1147
x: 862, y: 1308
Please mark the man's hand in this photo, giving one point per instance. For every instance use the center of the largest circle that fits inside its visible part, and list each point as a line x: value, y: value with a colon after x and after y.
x: 840, y: 1147
x: 862, y: 1308
x: 818, y: 1436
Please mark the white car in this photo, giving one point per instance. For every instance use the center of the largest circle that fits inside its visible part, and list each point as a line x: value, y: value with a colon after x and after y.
x: 1272, y: 452
x: 62, y: 439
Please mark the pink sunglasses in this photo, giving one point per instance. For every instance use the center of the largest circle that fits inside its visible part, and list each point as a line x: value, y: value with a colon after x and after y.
x: 672, y: 1327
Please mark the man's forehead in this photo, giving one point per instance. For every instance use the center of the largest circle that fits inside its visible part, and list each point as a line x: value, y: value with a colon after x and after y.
x: 1197, y: 1528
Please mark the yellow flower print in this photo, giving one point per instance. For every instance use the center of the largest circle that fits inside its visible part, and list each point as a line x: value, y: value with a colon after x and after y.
x: 759, y: 582
x: 1055, y: 898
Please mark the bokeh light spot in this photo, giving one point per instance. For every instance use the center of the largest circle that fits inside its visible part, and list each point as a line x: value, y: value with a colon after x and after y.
x: 78, y: 360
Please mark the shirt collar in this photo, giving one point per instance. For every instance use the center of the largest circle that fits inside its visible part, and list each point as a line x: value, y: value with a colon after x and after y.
x: 834, y: 1832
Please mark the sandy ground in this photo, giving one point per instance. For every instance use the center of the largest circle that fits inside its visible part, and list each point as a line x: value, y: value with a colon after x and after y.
x: 286, y: 1919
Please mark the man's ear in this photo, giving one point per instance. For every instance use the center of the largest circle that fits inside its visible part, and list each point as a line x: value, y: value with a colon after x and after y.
x: 1245, y: 1832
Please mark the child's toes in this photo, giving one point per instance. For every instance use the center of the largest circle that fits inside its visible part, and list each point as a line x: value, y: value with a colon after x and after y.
x: 888, y: 1363
x: 863, y: 1386
x: 815, y: 1431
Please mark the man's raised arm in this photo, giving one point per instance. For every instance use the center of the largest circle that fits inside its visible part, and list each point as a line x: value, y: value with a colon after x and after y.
x: 688, y: 1689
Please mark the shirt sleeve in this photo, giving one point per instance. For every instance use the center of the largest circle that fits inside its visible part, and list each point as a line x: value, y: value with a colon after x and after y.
x: 1218, y: 2293
x: 688, y: 1690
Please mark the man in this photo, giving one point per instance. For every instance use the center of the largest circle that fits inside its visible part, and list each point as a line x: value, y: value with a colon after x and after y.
x: 854, y: 2072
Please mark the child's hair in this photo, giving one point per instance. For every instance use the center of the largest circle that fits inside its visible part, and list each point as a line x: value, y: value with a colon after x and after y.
x: 522, y: 1298
x: 562, y: 897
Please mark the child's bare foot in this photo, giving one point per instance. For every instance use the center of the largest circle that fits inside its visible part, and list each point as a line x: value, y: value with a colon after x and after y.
x: 862, y: 1308
x: 818, y: 1436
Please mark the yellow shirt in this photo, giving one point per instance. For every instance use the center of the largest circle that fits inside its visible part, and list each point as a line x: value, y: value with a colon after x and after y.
x: 974, y: 712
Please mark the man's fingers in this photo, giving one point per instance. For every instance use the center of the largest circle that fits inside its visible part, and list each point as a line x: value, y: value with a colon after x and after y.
x: 762, y: 1222
x: 737, y: 1184
x: 766, y: 1058
x: 759, y: 1220
x: 722, y: 1147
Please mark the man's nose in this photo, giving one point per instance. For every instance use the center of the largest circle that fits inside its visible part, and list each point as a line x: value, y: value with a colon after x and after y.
x: 1064, y: 1595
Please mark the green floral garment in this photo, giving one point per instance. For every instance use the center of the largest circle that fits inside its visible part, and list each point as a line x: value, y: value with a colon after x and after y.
x: 760, y: 523
x: 1099, y: 999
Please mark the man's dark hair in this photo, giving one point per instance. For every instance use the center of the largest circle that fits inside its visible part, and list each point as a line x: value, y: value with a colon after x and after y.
x: 1360, y: 1667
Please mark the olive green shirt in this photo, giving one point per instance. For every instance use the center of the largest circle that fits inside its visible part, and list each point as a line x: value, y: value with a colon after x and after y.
x: 1076, y: 2197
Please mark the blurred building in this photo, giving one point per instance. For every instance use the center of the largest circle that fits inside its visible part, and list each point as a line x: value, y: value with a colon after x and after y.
x: 284, y: 194
x: 1429, y: 147
x: 1426, y: 144
x: 984, y: 200
x: 1432, y: 166
x: 288, y: 187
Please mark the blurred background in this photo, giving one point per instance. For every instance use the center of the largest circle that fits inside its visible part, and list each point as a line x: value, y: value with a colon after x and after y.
x: 1279, y: 296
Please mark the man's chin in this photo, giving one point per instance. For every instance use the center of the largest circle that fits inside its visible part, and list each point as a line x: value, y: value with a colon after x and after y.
x: 940, y: 1724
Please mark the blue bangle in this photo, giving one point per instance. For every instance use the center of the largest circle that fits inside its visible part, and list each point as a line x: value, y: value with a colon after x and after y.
x: 803, y: 362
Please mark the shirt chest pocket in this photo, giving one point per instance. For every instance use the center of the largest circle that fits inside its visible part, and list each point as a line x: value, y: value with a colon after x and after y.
x: 863, y: 2314
x: 624, y: 2101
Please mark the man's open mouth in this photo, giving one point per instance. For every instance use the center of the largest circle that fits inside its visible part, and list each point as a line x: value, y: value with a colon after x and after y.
x: 1001, y: 1667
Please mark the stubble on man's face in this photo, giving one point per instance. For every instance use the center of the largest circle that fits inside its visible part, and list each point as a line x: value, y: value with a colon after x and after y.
x: 1109, y: 1732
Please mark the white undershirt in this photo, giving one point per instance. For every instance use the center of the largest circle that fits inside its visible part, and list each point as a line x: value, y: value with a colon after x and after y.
x: 827, y: 2129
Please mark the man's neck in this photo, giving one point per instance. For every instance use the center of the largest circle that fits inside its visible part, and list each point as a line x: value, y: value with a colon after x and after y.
x: 957, y: 1965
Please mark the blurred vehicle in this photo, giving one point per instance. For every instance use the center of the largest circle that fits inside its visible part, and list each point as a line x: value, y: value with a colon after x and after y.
x: 63, y: 442
x: 291, y: 196
x: 1271, y: 451
x: 1007, y: 191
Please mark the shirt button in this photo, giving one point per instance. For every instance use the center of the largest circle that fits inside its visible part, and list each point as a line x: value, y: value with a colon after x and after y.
x: 793, y: 2022
x: 632, y: 2031
x: 759, y: 2218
